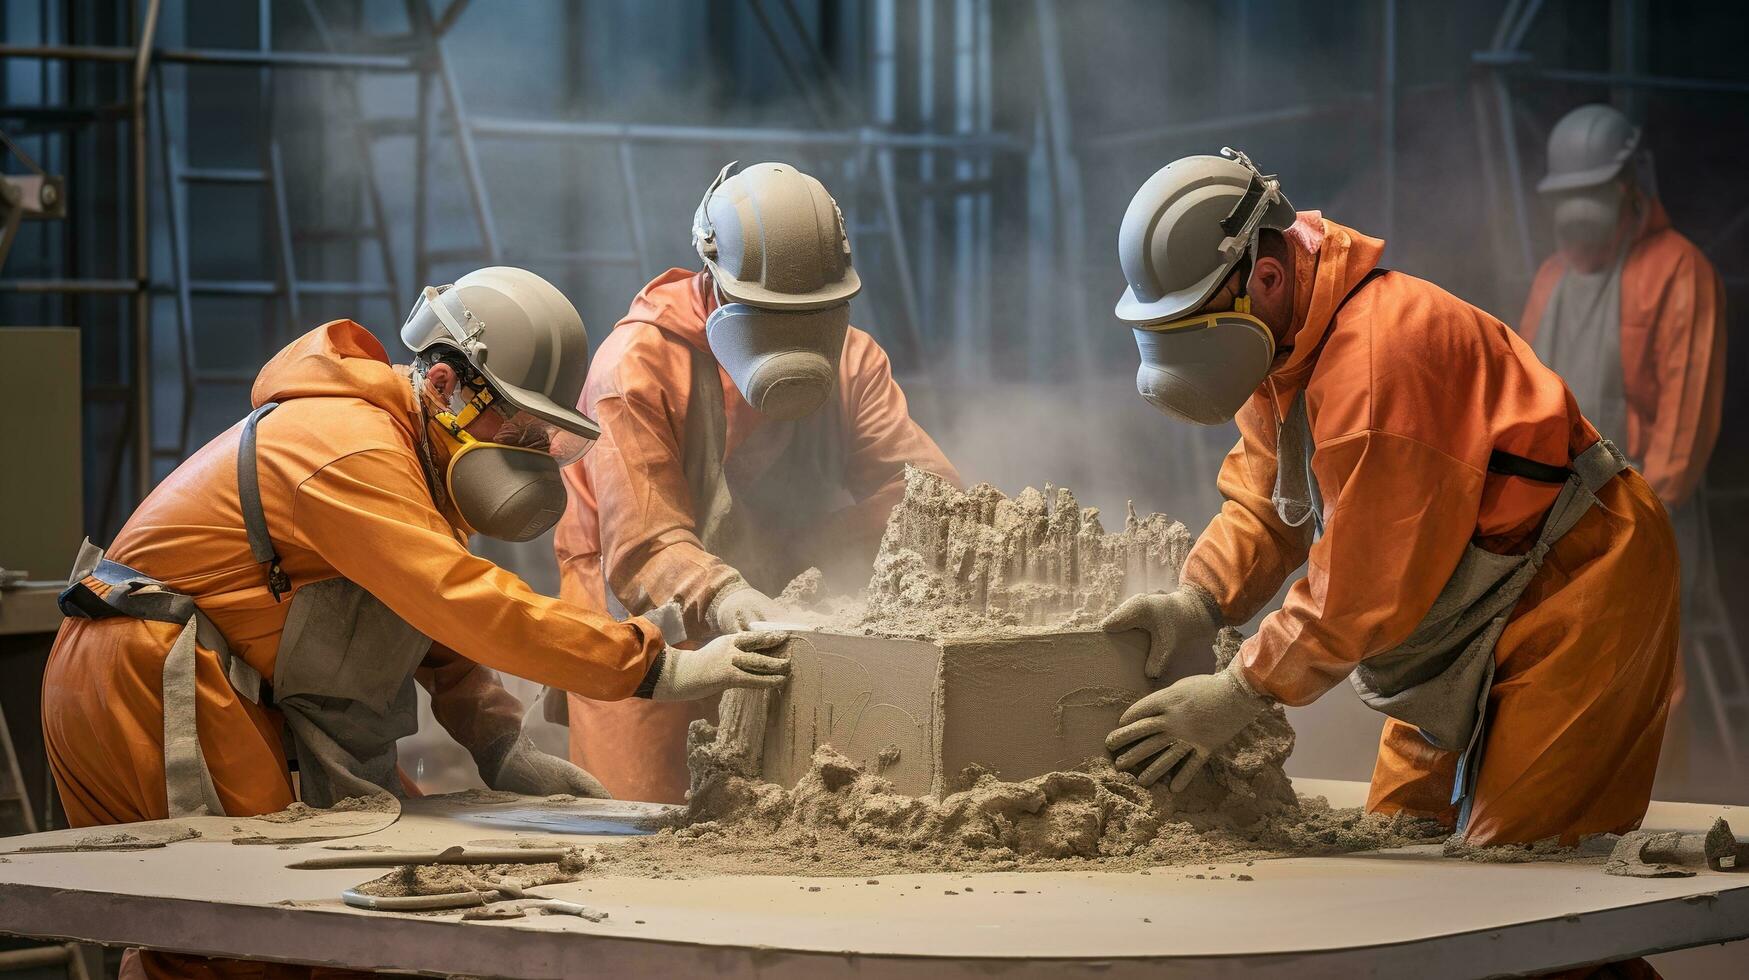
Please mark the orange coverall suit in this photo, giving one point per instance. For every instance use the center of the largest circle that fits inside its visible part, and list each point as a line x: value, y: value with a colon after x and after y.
x: 1672, y: 352
x: 631, y: 511
x: 1409, y: 390
x: 344, y: 495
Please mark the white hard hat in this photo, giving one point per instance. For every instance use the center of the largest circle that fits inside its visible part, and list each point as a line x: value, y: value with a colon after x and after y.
x: 1187, y: 228
x: 1588, y: 147
x: 519, y: 332
x: 773, y: 238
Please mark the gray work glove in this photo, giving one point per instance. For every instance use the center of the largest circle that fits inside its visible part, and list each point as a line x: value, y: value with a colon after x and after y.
x: 725, y: 662
x: 1183, y: 620
x: 1183, y: 724
x: 519, y: 767
x: 738, y: 606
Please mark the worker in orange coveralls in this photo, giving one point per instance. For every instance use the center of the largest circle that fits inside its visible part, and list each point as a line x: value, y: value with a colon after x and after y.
x: 1479, y: 563
x: 748, y: 432
x: 291, y: 581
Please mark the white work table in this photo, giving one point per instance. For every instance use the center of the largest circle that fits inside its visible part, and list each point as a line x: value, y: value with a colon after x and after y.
x: 1399, y: 913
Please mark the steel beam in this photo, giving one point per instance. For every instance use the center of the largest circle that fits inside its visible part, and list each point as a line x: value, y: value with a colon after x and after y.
x: 213, y: 56
x: 506, y: 126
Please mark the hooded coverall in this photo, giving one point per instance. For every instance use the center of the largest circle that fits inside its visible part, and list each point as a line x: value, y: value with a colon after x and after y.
x: 1671, y: 325
x: 346, y: 496
x: 632, y: 517
x: 1409, y: 390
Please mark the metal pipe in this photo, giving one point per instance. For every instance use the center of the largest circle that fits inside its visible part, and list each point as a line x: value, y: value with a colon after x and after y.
x: 1388, y: 119
x: 142, y: 305
x: 213, y: 56
x: 99, y: 287
x: 34, y: 958
x: 464, y: 132
x: 652, y: 133
x: 1514, y: 172
x: 1266, y: 117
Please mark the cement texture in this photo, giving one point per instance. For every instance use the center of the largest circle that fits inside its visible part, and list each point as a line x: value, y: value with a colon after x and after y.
x: 956, y: 562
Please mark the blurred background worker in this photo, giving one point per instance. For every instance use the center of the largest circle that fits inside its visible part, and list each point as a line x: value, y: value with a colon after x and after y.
x: 748, y: 433
x: 1483, y: 568
x: 1632, y: 316
x: 307, y: 565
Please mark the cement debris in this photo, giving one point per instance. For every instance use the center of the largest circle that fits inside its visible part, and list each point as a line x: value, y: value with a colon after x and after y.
x: 953, y: 562
x: 448, y: 879
x: 299, y: 812
x: 1671, y: 854
x: 116, y: 841
x: 1590, y: 850
x: 840, y: 820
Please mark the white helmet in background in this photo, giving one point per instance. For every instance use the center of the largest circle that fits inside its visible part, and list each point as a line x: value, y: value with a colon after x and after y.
x: 774, y: 243
x: 1590, y: 149
x: 1183, y: 234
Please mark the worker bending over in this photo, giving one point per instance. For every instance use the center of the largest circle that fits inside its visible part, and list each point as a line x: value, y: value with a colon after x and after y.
x: 1482, y: 567
x: 301, y: 570
x: 1632, y: 316
x: 748, y: 432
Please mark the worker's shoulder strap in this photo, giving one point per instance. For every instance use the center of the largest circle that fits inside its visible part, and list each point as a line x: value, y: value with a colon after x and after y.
x: 254, y: 516
x: 1365, y: 281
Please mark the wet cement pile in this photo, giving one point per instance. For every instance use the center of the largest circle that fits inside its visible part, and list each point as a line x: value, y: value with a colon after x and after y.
x: 975, y: 561
x: 842, y: 820
x: 957, y: 563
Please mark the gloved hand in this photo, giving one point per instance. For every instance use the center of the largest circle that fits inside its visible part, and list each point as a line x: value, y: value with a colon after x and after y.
x: 738, y: 606
x: 725, y: 662
x: 519, y: 767
x: 1185, y: 722
x: 1183, y: 620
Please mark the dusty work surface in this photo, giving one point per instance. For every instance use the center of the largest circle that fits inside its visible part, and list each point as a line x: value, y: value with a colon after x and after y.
x: 1406, y: 912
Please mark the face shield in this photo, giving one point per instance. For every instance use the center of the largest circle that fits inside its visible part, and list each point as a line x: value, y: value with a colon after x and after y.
x: 784, y: 362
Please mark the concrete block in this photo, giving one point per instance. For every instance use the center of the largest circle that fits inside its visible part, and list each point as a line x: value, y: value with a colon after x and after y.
x: 919, y: 712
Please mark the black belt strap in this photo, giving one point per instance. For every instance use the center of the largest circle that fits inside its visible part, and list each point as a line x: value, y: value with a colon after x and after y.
x: 1509, y: 464
x: 254, y: 516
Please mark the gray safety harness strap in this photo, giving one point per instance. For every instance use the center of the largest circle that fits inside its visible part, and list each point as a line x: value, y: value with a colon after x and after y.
x: 254, y: 516
x: 188, y: 784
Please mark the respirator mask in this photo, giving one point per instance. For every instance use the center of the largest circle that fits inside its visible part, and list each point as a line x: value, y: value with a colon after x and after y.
x: 507, y: 487
x: 1202, y: 369
x: 1586, y: 220
x: 784, y: 362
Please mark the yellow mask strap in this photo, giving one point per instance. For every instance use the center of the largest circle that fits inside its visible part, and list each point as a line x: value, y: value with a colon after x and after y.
x: 457, y: 422
x: 1242, y: 304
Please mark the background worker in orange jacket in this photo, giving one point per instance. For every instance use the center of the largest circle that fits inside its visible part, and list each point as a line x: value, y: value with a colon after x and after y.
x: 748, y: 432
x: 1480, y: 565
x: 1632, y: 317
x: 304, y: 568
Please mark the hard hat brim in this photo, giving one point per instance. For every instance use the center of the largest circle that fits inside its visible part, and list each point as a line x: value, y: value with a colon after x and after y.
x: 1579, y: 179
x: 544, y: 408
x: 1133, y: 310
x: 753, y: 294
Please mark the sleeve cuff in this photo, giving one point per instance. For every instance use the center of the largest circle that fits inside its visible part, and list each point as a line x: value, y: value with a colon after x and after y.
x: 647, y: 687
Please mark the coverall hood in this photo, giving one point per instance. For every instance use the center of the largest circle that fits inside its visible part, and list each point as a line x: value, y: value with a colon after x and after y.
x: 1330, y: 261
x: 339, y: 359
x: 679, y: 312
